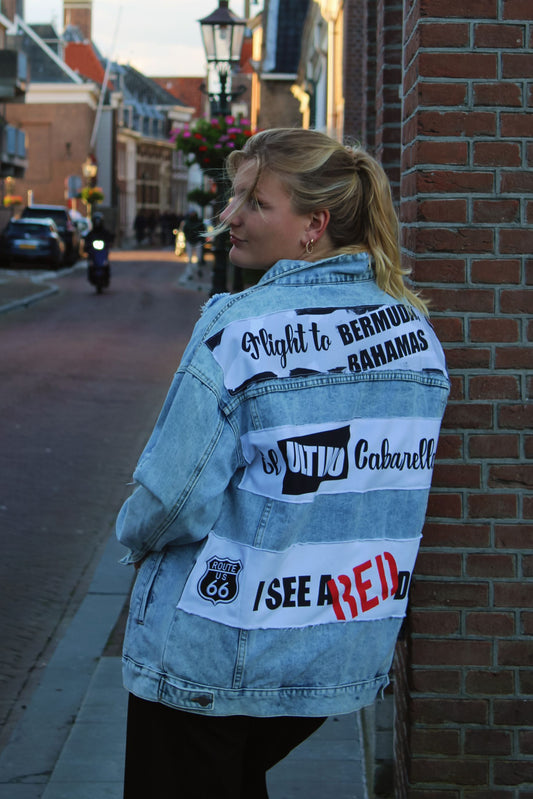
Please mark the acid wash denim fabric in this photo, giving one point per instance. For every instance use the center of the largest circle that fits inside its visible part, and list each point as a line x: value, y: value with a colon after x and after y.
x: 281, y: 496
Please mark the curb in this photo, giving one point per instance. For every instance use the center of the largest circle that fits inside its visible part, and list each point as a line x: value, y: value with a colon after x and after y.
x: 36, y: 281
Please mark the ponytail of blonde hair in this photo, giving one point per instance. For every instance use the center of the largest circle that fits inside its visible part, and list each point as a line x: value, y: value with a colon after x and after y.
x: 319, y: 172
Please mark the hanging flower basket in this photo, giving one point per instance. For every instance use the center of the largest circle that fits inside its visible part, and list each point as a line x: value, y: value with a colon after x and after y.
x: 208, y: 142
x: 11, y: 200
x: 92, y: 195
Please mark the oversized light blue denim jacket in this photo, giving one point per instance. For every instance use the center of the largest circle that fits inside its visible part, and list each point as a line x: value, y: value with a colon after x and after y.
x: 281, y: 498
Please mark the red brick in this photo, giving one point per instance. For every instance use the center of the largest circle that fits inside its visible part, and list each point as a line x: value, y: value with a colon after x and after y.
x: 517, y: 9
x: 460, y: 240
x: 493, y: 446
x: 490, y: 565
x: 456, y: 772
x: 516, y: 124
x: 442, y: 94
x: 457, y: 388
x: 516, y: 240
x: 498, y: 35
x: 491, y: 329
x: 456, y: 535
x: 496, y: 211
x: 514, y: 358
x: 516, y: 182
x: 452, y: 593
x: 526, y: 742
x: 443, y: 270
x: 488, y: 742
x: 440, y: 622
x: 513, y: 711
x: 527, y: 565
x: 460, y: 65
x: 493, y: 624
x: 512, y: 772
x: 468, y: 358
x: 517, y: 416
x: 525, y: 677
x: 455, y: 475
x: 448, y: 329
x: 450, y: 446
x: 442, y: 181
x: 516, y: 301
x: 476, y: 300
x: 443, y: 152
x: 492, y: 506
x: 516, y: 476
x: 467, y: 415
x: 439, y: 35
x: 516, y: 65
x: 435, y: 741
x: 442, y: 211
x: 514, y: 653
x: 446, y: 505
x: 439, y: 565
x: 513, y: 595
x: 497, y: 154
x: 493, y: 387
x: 498, y: 94
x: 500, y: 270
x: 450, y: 711
x: 435, y: 681
x: 483, y: 9
x: 513, y: 536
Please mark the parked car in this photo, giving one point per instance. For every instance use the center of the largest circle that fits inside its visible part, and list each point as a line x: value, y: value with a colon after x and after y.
x: 67, y: 229
x: 32, y: 241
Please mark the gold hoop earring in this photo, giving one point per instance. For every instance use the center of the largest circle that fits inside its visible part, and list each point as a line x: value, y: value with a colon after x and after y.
x: 309, y: 246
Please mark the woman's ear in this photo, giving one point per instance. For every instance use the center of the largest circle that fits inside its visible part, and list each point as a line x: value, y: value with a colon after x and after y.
x: 318, y: 223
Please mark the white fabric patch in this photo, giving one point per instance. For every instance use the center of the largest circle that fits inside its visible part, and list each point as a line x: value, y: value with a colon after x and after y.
x: 307, y: 584
x: 295, y: 463
x: 321, y: 340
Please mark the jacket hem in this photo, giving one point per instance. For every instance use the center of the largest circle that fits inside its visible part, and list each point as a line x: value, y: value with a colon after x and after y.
x: 313, y: 701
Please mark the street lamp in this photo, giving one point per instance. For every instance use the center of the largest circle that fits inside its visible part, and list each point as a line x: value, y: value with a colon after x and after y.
x: 89, y: 169
x: 222, y: 36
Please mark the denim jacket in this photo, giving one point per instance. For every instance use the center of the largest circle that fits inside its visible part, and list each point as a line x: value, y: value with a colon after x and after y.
x: 281, y: 496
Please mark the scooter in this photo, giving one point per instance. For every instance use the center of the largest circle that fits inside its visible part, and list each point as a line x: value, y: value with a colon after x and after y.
x: 98, y: 270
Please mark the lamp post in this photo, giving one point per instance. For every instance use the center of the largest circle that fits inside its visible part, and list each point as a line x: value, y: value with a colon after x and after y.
x: 222, y: 37
x: 90, y: 171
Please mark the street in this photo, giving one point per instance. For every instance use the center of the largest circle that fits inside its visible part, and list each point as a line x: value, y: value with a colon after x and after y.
x: 82, y: 379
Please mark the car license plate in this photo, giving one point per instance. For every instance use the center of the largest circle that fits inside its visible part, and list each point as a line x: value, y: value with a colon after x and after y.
x: 26, y: 245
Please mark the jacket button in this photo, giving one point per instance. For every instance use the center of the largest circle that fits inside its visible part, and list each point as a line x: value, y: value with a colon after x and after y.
x: 203, y: 701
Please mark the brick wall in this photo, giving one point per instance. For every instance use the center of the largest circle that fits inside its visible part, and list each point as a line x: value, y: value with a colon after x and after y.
x: 57, y: 140
x: 467, y: 202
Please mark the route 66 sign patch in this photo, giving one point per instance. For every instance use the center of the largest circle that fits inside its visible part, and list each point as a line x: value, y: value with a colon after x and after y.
x: 220, y: 581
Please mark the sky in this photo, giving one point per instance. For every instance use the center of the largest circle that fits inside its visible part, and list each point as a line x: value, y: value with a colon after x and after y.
x: 157, y: 37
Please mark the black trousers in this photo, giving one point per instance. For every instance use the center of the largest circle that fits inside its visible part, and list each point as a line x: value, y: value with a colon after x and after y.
x: 171, y: 754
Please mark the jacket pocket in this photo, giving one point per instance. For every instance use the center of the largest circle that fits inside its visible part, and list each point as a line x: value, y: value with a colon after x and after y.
x: 144, y: 585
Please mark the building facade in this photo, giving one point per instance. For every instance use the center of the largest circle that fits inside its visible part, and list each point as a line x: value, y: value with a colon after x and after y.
x: 442, y: 94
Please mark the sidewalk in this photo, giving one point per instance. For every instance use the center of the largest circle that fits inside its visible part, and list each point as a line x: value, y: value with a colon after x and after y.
x: 69, y: 742
x: 17, y: 290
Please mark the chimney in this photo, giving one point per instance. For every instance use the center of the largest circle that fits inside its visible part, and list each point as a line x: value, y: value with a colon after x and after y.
x: 79, y: 13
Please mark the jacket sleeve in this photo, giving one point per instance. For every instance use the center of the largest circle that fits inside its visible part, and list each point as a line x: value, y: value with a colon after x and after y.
x: 183, y: 472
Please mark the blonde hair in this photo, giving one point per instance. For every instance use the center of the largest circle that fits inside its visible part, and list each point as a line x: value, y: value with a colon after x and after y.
x: 319, y: 172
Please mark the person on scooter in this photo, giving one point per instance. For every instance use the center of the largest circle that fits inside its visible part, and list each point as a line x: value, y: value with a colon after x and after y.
x: 98, y: 272
x: 100, y: 232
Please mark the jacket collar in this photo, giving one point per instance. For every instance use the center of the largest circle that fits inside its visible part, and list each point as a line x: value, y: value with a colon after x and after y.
x: 346, y: 267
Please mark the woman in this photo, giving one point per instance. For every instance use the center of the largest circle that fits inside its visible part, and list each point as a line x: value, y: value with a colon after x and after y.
x: 282, y: 494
